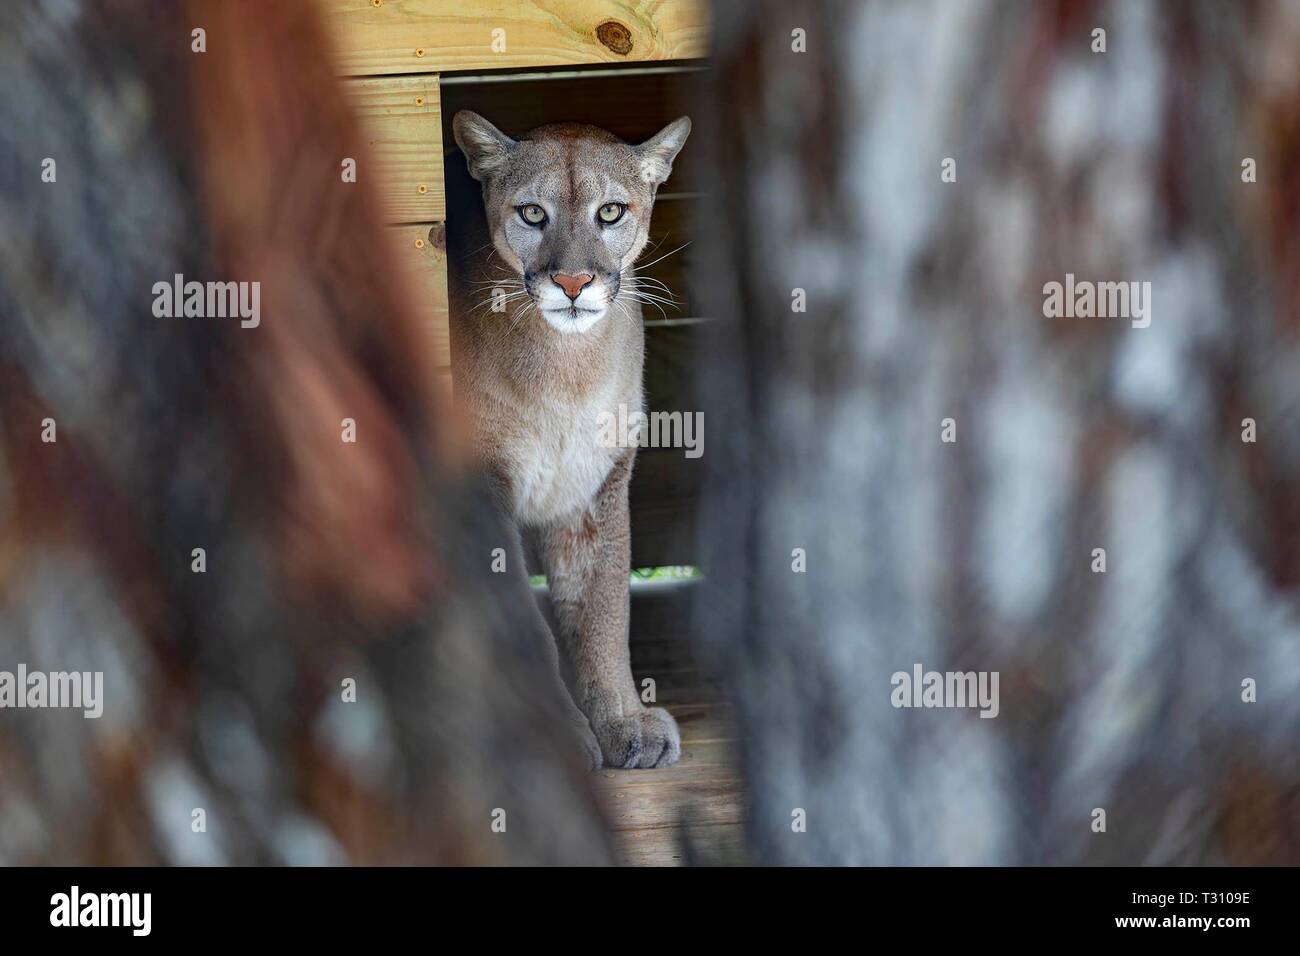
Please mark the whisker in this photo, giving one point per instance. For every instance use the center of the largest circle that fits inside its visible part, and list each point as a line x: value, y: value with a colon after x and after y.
x: 662, y: 291
x: 492, y: 300
x: 658, y: 283
x: 642, y: 298
x: 653, y: 248
x: 636, y: 280
x: 520, y: 311
x: 646, y: 265
x: 652, y: 294
x: 502, y: 277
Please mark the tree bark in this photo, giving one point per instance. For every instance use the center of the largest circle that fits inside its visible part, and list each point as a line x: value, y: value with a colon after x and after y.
x: 1122, y: 690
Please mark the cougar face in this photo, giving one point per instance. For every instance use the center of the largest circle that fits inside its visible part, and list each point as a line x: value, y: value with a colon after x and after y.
x: 568, y: 208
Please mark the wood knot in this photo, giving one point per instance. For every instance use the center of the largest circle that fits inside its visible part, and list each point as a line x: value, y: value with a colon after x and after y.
x: 615, y: 36
x: 438, y: 236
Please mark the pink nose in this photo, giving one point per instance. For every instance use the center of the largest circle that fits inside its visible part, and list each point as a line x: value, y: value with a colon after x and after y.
x: 572, y: 285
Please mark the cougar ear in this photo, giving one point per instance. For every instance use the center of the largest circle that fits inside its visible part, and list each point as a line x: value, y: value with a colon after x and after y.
x: 658, y: 152
x: 485, y: 147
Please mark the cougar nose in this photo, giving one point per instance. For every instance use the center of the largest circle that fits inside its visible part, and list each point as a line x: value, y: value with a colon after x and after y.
x: 572, y: 285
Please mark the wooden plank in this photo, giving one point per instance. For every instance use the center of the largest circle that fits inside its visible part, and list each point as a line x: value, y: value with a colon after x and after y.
x: 693, y: 720
x: 705, y: 761
x: 422, y: 257
x: 376, y: 37
x: 663, y: 805
x: 401, y: 120
x: 672, y: 786
x: 700, y: 802
x: 709, y: 728
x: 719, y: 844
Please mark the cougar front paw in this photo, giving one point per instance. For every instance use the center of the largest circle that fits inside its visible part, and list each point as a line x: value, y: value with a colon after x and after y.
x: 647, y: 738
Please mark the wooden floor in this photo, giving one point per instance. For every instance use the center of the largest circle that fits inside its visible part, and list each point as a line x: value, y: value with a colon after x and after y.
x: 692, y: 812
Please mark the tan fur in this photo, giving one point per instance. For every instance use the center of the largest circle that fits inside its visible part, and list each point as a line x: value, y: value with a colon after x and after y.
x: 535, y: 380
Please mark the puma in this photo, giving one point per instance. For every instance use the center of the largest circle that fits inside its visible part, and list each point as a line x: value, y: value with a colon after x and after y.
x: 550, y: 340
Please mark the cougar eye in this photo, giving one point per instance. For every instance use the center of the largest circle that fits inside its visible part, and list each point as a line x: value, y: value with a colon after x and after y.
x: 532, y: 214
x: 611, y: 212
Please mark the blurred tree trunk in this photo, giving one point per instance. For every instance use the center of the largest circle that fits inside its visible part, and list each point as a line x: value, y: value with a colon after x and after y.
x: 344, y: 680
x: 1119, y: 690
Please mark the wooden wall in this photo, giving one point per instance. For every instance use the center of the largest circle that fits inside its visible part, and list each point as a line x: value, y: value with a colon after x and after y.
x: 410, y: 64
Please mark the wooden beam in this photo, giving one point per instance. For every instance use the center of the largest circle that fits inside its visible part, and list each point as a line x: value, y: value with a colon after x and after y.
x: 374, y: 37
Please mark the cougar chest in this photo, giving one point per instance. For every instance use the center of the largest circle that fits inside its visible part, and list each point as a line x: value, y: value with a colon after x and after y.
x: 557, y: 458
